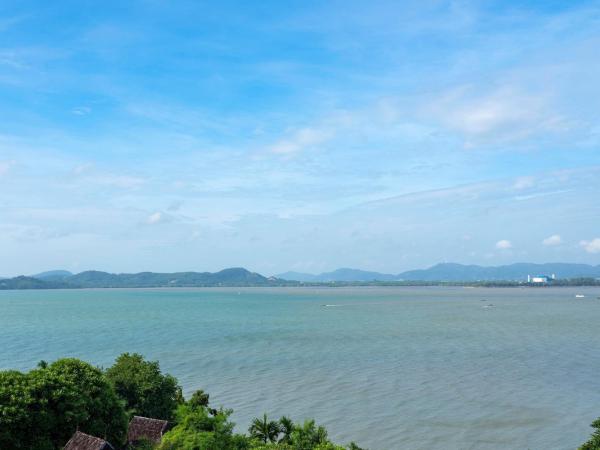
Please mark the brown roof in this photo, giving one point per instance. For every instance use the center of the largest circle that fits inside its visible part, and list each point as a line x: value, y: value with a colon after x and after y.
x: 141, y: 428
x: 82, y: 441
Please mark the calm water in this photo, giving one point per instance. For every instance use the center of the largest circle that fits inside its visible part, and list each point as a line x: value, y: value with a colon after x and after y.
x: 392, y: 368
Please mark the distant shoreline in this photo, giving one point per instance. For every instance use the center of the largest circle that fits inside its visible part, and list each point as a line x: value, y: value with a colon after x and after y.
x: 333, y: 285
x: 516, y: 275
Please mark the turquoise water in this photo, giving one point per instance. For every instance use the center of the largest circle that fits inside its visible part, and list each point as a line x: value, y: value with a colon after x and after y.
x: 391, y: 368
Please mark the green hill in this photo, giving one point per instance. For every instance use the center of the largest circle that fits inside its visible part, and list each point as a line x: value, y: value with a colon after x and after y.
x: 236, y: 276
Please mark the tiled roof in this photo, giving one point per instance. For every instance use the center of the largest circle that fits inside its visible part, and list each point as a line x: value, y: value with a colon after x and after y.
x: 141, y: 428
x: 82, y: 441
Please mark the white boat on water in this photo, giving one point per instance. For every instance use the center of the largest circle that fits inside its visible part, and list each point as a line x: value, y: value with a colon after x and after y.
x: 579, y: 296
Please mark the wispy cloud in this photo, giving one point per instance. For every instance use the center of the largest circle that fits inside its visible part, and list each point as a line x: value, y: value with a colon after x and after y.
x: 9, y: 22
x: 87, y: 173
x: 592, y: 246
x: 81, y: 110
x: 155, y: 218
x: 5, y: 166
x: 303, y: 139
x: 504, y: 244
x: 524, y: 183
x: 505, y: 114
x: 80, y: 169
x: 12, y: 60
x: 552, y: 241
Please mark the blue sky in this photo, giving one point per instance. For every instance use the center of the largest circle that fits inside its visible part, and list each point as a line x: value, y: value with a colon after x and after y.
x: 165, y: 136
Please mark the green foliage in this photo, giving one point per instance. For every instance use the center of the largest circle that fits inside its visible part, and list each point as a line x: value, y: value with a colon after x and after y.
x: 40, y: 410
x: 146, y: 391
x: 308, y: 436
x: 594, y: 442
x: 199, y: 398
x: 22, y: 282
x: 16, y: 421
x: 353, y: 446
x: 199, y: 429
x: 264, y: 430
x: 142, y: 445
x: 286, y: 427
x: 227, y: 277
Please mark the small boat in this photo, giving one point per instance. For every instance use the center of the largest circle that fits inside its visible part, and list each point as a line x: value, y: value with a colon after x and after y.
x: 579, y: 296
x: 489, y: 306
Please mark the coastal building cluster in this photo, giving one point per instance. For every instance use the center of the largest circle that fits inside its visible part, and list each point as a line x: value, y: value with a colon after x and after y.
x: 541, y: 279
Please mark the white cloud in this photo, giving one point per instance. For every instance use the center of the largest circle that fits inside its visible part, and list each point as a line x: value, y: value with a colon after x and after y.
x: 301, y: 139
x: 503, y: 244
x: 592, y: 246
x: 552, y: 241
x: 155, y: 218
x: 506, y: 114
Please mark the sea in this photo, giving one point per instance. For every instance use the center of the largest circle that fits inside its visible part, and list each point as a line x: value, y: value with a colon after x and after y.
x: 387, y: 367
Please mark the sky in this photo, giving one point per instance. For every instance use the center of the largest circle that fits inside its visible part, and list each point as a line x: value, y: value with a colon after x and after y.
x: 297, y: 135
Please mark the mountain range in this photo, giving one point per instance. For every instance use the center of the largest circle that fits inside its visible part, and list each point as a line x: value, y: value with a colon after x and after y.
x: 452, y: 272
x: 237, y: 276
x: 96, y: 279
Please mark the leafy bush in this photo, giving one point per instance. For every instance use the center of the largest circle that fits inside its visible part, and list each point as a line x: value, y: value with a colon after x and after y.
x: 146, y: 391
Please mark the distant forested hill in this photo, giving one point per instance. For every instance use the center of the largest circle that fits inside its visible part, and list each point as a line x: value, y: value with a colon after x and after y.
x: 97, y: 279
x: 228, y: 277
x: 54, y: 275
x: 23, y: 282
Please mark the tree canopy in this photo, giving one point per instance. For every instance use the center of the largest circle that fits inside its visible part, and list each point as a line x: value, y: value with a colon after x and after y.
x: 200, y: 428
x: 146, y: 390
x: 41, y: 409
x: 265, y: 430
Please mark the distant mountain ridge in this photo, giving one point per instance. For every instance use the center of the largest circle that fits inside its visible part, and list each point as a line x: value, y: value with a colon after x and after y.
x: 511, y: 272
x: 238, y: 276
x: 53, y: 275
x: 23, y: 282
x: 453, y: 272
x: 235, y: 276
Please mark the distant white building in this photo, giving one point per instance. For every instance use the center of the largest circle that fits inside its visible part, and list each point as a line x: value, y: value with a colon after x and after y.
x: 540, y: 279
